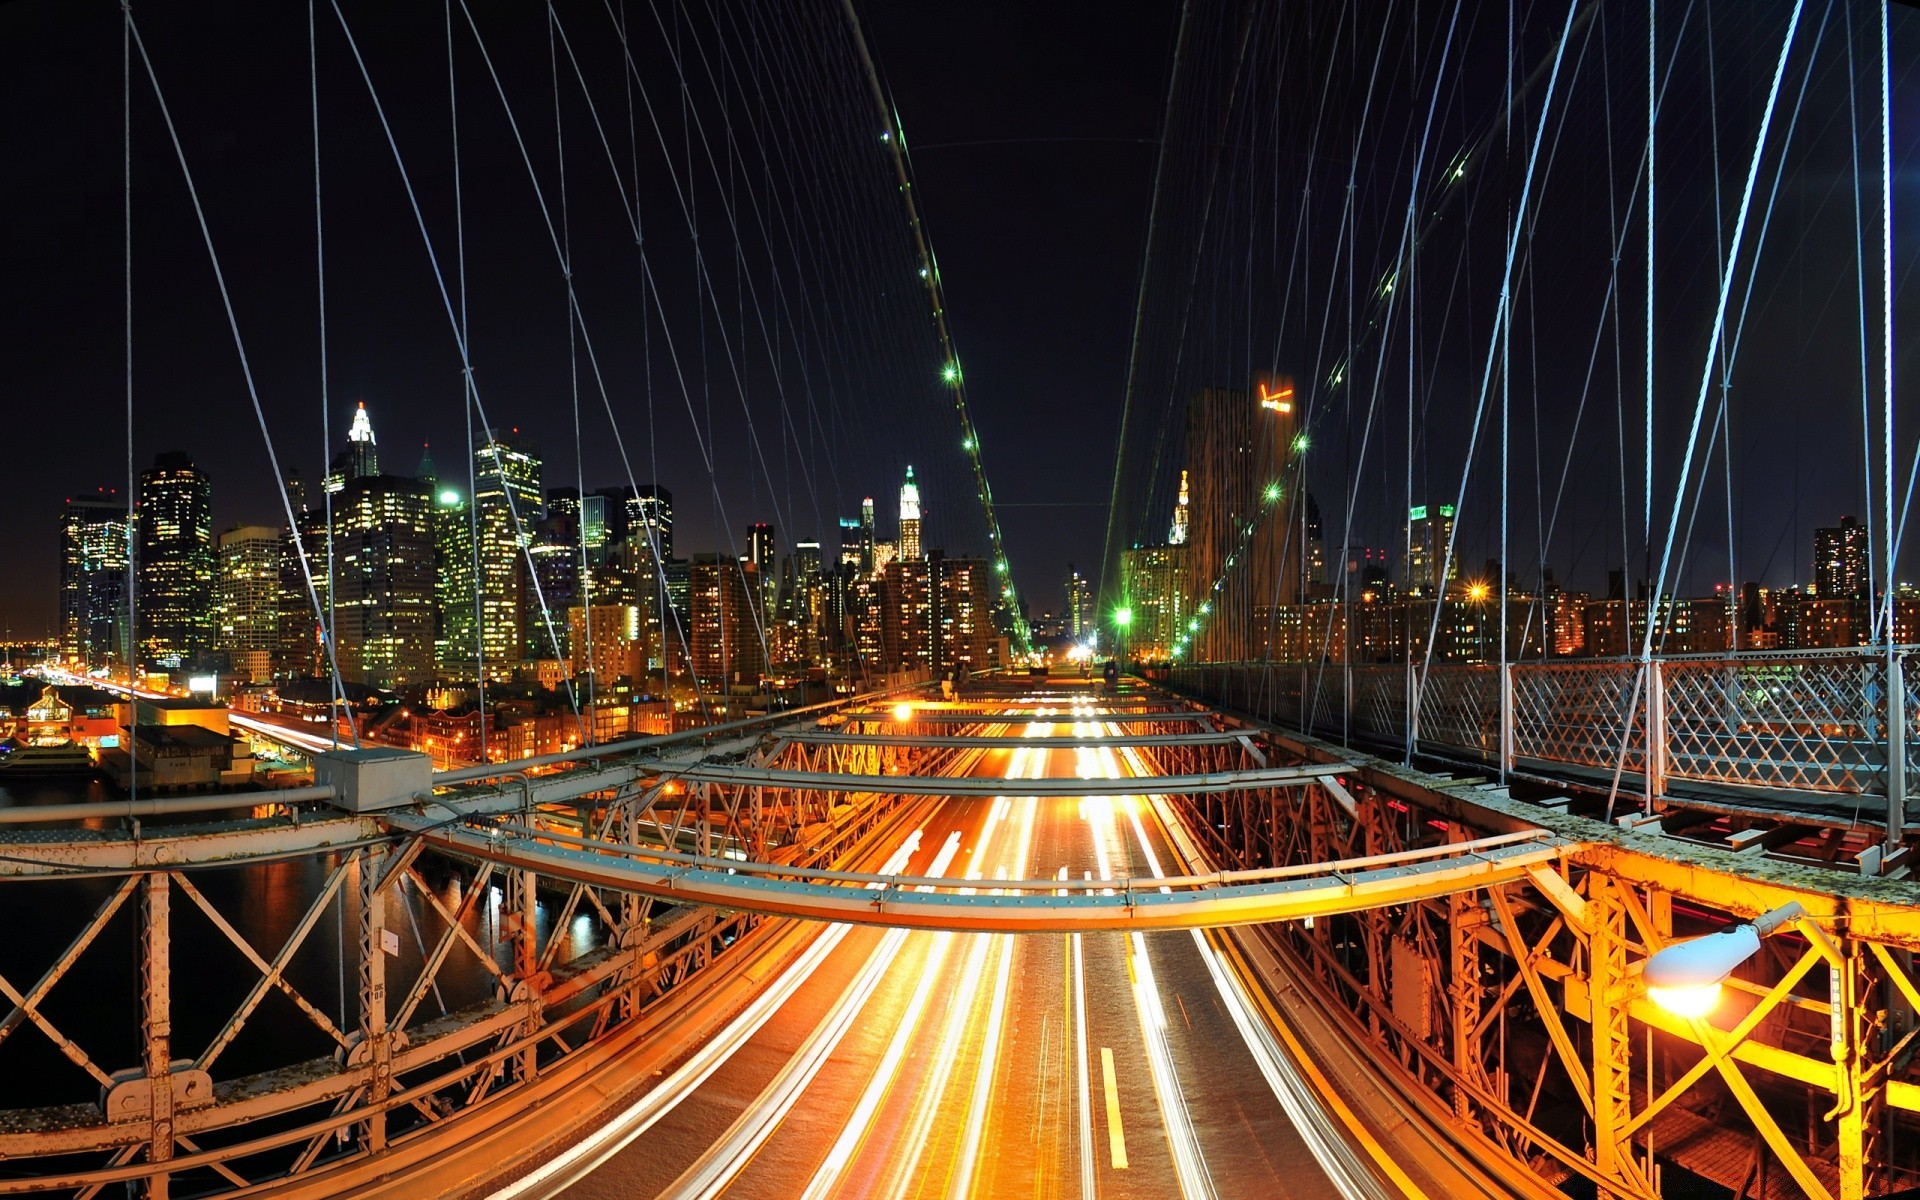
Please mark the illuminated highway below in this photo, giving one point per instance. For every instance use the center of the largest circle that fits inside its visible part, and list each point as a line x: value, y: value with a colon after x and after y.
x: 955, y: 1065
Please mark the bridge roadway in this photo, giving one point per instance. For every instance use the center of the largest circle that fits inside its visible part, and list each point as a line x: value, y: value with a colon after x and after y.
x: 917, y: 1064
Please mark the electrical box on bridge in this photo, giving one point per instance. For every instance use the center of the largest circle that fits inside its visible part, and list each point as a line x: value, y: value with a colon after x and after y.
x: 375, y: 778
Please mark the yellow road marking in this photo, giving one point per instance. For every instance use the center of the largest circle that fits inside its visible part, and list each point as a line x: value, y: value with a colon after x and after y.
x: 1116, y: 1137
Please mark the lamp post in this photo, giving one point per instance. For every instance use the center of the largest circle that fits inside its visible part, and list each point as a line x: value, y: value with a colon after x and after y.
x: 1122, y: 619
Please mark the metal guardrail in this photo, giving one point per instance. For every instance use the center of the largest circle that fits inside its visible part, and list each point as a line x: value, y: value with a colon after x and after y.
x: 1817, y: 722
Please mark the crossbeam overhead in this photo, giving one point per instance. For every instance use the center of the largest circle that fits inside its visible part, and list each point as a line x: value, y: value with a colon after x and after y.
x: 969, y: 785
x: 1015, y: 906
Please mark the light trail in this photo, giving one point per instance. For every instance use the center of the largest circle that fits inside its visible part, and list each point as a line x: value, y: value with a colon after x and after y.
x: 594, y: 1149
x: 1324, y: 1140
x: 1183, y: 1142
x: 726, y: 1158
x: 859, y: 1125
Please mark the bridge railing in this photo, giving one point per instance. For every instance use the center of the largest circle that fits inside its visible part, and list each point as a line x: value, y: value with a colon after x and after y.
x: 1823, y: 722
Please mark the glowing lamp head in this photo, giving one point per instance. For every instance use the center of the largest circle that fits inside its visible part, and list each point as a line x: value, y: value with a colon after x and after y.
x: 1123, y: 617
x: 903, y: 712
x: 1478, y: 591
x: 1687, y: 1001
x: 950, y: 372
x: 1685, y: 977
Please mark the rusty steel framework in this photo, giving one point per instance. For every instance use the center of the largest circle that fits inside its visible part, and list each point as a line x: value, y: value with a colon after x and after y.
x: 1810, y: 731
x: 400, y: 1070
x: 1514, y: 1014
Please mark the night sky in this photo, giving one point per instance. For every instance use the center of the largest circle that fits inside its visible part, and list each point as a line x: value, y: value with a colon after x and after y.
x: 793, y: 349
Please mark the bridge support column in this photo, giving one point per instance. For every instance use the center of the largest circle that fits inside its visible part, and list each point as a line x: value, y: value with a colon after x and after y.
x: 1465, y: 918
x: 156, y: 1010
x: 375, y: 1041
x: 1858, y: 1018
x: 524, y: 928
x: 1612, y: 1039
x: 1656, y: 733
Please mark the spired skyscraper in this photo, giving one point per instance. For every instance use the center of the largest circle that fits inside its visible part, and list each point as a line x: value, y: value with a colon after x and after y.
x: 910, y: 518
x: 93, y: 580
x: 383, y: 552
x: 175, y: 561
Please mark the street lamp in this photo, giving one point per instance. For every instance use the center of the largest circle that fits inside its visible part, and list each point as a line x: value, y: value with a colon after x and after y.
x: 1685, y: 977
x: 903, y: 712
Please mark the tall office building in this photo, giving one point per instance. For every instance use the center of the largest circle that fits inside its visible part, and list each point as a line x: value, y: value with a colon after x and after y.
x: 1429, y: 529
x: 299, y: 651
x: 455, y: 647
x: 907, y: 631
x: 851, y: 542
x: 93, y: 580
x: 1239, y: 446
x: 620, y: 641
x: 1840, y: 564
x: 868, y: 562
x: 651, y: 519
x: 1080, y: 621
x: 247, y: 609
x: 910, y: 518
x: 383, y: 545
x: 1182, y: 515
x: 587, y: 518
x: 962, y: 613
x: 1152, y: 582
x: 760, y: 551
x: 725, y: 636
x: 508, y: 506
x: 550, y: 581
x: 175, y: 561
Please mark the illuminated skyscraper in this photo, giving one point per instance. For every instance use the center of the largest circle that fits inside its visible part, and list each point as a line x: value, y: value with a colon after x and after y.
x: 852, y: 541
x: 1840, y: 569
x: 1429, y: 529
x: 909, y: 518
x: 454, y: 630
x: 1079, y: 603
x: 1239, y: 447
x: 248, y: 598
x: 1182, y: 514
x: 726, y: 646
x: 760, y: 551
x: 908, y: 635
x: 176, y: 561
x: 360, y: 459
x: 93, y: 580
x: 868, y: 563
x: 1151, y: 583
x: 962, y: 613
x: 383, y: 544
x: 508, y: 504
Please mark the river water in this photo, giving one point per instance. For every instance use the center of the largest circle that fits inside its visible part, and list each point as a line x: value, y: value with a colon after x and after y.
x: 96, y: 1004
